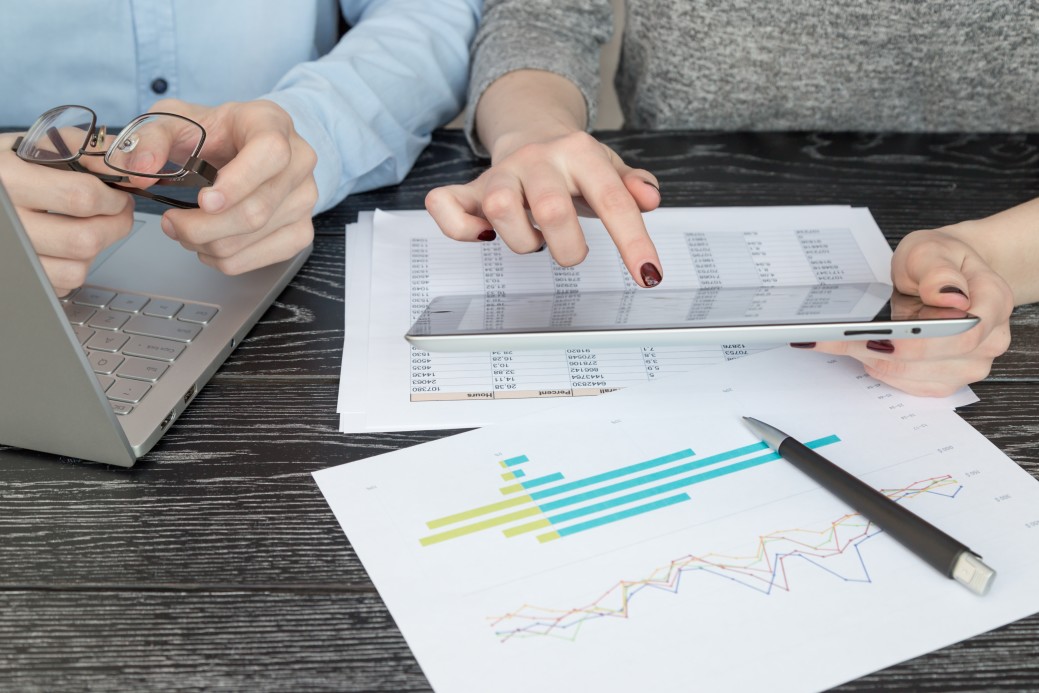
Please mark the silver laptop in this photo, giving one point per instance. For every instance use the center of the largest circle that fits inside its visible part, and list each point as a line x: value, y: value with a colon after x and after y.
x: 103, y: 373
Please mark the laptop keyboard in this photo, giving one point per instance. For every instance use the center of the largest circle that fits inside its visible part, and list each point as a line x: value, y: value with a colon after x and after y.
x: 132, y: 340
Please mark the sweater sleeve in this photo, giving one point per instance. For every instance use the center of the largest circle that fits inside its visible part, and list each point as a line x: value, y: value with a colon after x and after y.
x: 564, y: 37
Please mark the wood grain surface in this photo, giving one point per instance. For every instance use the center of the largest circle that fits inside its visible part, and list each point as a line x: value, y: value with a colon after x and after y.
x: 215, y: 563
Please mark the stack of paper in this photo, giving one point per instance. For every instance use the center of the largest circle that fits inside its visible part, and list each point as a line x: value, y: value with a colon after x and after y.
x: 397, y: 262
x: 645, y: 539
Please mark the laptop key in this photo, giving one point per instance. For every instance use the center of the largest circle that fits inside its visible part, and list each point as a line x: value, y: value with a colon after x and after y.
x: 151, y: 348
x: 104, y: 363
x: 128, y: 303
x: 161, y: 308
x: 159, y: 327
x: 107, y: 341
x: 132, y: 391
x: 108, y: 320
x: 77, y: 315
x: 89, y: 296
x: 197, y: 313
x: 120, y: 408
x: 82, y: 333
x: 142, y: 369
x: 105, y: 382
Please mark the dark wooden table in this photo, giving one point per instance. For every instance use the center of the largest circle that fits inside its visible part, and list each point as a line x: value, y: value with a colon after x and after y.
x: 215, y: 563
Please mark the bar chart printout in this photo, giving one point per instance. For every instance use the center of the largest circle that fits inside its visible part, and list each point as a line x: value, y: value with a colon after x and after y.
x: 645, y: 535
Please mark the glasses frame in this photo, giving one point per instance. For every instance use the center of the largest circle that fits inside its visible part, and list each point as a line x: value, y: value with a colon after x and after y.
x: 195, y: 171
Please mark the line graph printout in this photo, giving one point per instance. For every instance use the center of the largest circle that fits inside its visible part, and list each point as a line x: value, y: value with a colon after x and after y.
x: 645, y: 539
x: 768, y: 251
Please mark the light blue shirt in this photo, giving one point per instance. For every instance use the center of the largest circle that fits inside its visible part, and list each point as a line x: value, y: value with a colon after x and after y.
x: 366, y: 104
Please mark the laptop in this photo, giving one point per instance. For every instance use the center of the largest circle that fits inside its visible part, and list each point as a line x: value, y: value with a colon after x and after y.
x: 103, y: 373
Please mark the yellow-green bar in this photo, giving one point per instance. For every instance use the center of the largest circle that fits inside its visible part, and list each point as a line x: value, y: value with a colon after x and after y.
x: 513, y: 488
x: 508, y: 476
x: 476, y: 512
x: 529, y: 527
x: 477, y: 526
x: 548, y: 536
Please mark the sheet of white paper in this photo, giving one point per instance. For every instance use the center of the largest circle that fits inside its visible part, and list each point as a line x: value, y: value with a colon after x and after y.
x: 646, y: 540
x: 410, y: 389
x: 357, y: 307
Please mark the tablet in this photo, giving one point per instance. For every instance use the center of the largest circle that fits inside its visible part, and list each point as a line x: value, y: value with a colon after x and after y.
x: 662, y: 317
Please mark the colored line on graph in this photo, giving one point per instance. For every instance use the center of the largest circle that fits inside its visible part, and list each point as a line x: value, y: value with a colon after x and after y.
x: 606, y: 519
x: 513, y: 461
x: 477, y: 526
x: 510, y: 476
x: 531, y: 483
x: 476, y: 512
x: 834, y: 549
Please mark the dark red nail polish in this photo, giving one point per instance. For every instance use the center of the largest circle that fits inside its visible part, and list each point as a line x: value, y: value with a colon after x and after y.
x: 803, y: 345
x: 881, y: 345
x: 951, y: 290
x: 650, y: 274
x: 488, y: 235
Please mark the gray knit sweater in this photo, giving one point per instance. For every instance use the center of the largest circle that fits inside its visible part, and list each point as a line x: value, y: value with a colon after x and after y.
x: 873, y: 65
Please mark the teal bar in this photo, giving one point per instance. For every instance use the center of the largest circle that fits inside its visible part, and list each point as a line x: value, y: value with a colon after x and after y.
x: 512, y: 461
x: 518, y: 473
x: 648, y: 478
x: 679, y: 483
x: 607, y: 476
x: 541, y: 480
x: 622, y: 515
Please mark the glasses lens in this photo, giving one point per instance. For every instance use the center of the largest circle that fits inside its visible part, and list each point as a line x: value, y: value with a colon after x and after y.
x: 59, y: 135
x: 159, y: 145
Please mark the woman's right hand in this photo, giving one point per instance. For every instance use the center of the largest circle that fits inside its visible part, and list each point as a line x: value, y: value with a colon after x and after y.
x: 545, y: 172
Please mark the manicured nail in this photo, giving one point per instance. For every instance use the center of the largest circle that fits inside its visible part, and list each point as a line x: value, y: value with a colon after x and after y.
x: 211, y: 201
x: 650, y: 274
x: 803, y: 345
x: 651, y: 184
x: 488, y: 235
x: 881, y: 345
x: 167, y: 227
x: 952, y: 290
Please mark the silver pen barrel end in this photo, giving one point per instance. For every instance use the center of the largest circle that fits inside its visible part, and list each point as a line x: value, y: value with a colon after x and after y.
x: 970, y: 572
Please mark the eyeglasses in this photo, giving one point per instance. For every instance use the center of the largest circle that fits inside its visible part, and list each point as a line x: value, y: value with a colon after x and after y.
x: 162, y: 146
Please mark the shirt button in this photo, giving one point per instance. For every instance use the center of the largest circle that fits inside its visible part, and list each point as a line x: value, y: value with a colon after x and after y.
x: 159, y: 85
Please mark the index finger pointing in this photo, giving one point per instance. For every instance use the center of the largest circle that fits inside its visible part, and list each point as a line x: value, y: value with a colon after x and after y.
x: 604, y: 190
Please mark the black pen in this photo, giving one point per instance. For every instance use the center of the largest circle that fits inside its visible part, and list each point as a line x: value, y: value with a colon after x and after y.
x: 951, y: 558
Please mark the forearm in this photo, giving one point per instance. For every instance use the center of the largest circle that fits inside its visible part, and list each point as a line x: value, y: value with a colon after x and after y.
x: 528, y: 106
x: 368, y: 106
x: 1009, y: 243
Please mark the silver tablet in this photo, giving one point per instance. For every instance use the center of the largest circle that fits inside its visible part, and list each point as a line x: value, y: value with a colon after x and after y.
x: 662, y: 317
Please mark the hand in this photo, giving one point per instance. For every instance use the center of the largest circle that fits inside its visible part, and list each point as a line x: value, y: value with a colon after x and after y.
x: 532, y: 196
x: 942, y: 270
x: 259, y: 210
x: 69, y: 217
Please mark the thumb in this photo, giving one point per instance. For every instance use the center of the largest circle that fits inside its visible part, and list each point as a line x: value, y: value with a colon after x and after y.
x: 932, y: 270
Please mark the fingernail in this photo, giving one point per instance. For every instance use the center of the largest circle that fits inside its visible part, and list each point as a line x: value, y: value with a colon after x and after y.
x: 650, y: 274
x: 211, y: 201
x: 488, y: 235
x: 951, y: 290
x: 651, y: 184
x: 803, y: 345
x: 167, y: 227
x: 881, y: 345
